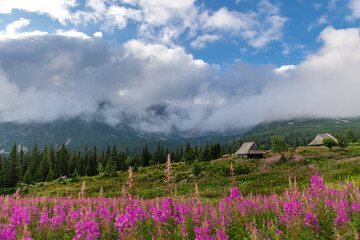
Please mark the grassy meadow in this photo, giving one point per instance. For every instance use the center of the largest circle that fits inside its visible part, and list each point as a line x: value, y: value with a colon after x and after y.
x: 264, y: 176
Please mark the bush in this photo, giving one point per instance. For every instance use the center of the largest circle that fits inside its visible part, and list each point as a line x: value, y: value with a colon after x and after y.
x: 278, y: 145
x: 329, y: 143
x: 196, y: 168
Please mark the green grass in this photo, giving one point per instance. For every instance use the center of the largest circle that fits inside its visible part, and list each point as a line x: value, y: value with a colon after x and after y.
x: 252, y: 176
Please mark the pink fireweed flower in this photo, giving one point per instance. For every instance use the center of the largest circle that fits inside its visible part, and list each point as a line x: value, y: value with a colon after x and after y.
x: 202, y: 233
x: 220, y: 235
x: 311, y: 222
x: 317, y: 185
x: 19, y: 216
x: 272, y: 159
x: 8, y: 234
x: 342, y: 208
x: 72, y: 218
x: 183, y: 231
x: 129, y: 219
x: 168, y: 210
x: 355, y: 207
x: 292, y: 210
x: 87, y: 230
x: 342, y: 217
x: 44, y: 220
x: 299, y: 157
x: 235, y: 193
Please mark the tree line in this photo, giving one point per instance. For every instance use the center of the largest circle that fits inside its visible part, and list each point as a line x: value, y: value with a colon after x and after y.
x: 38, y: 165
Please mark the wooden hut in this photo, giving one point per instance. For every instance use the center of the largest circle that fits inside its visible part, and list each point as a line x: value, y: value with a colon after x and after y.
x: 318, y: 140
x: 250, y: 150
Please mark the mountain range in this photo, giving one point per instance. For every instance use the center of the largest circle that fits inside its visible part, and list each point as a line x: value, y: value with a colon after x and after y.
x: 77, y: 134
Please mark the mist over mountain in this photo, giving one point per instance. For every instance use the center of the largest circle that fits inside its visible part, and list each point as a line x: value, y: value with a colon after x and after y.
x: 78, y: 133
x: 159, y: 89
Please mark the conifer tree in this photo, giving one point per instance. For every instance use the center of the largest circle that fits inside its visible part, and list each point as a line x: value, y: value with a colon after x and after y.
x: 94, y: 161
x: 159, y: 154
x: 100, y: 168
x: 45, y: 164
x: 206, y: 152
x: 111, y: 168
x: 12, y: 170
x: 114, y: 155
x: 50, y: 175
x: 189, y: 155
x: 75, y: 175
x: 34, y: 160
x: 27, y: 177
x: 63, y: 161
x: 145, y: 156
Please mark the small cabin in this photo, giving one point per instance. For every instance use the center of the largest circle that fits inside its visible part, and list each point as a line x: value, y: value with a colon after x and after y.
x: 250, y: 150
x: 318, y: 140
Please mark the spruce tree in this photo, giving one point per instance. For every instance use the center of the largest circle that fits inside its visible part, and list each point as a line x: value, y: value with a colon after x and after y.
x: 145, y: 156
x: 206, y: 153
x: 63, y: 161
x: 100, y: 168
x: 45, y: 164
x: 50, y: 175
x: 111, y: 168
x: 12, y: 169
x: 189, y: 155
x: 27, y: 177
x: 34, y: 161
x: 75, y: 175
x: 94, y: 161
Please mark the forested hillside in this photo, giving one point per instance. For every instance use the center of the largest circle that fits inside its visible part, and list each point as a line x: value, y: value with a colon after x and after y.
x: 46, y: 164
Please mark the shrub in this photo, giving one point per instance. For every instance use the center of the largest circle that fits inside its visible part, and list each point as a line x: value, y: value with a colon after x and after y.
x: 329, y: 143
x: 196, y: 168
x: 278, y: 145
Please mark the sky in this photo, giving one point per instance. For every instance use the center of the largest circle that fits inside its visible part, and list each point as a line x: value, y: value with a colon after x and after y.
x: 190, y: 66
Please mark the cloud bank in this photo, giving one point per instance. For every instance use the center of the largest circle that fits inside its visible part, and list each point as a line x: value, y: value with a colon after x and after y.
x: 155, y: 87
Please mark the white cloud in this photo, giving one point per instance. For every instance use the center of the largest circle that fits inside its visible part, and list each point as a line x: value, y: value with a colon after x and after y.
x: 11, y: 31
x: 162, y: 88
x: 257, y: 28
x: 286, y: 50
x: 58, y: 9
x: 162, y: 21
x: 119, y: 16
x: 72, y: 34
x: 228, y: 20
x: 284, y: 69
x: 98, y: 34
x: 320, y: 21
x: 159, y: 12
x: 14, y: 26
x: 354, y: 5
x: 200, y: 42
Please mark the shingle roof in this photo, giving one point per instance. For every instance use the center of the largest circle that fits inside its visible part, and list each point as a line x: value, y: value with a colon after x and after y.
x: 319, y: 139
x: 249, y: 148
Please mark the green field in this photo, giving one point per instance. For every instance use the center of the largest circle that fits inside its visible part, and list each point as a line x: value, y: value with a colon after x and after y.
x: 263, y: 176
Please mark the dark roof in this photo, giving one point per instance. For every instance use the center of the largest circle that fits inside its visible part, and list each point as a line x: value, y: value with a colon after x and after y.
x: 249, y: 148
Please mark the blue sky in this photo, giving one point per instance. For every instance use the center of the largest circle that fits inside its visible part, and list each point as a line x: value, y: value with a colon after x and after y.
x: 293, y: 36
x: 201, y: 60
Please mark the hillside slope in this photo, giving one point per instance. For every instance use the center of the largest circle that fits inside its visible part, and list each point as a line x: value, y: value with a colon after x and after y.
x: 264, y: 176
x: 297, y: 132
